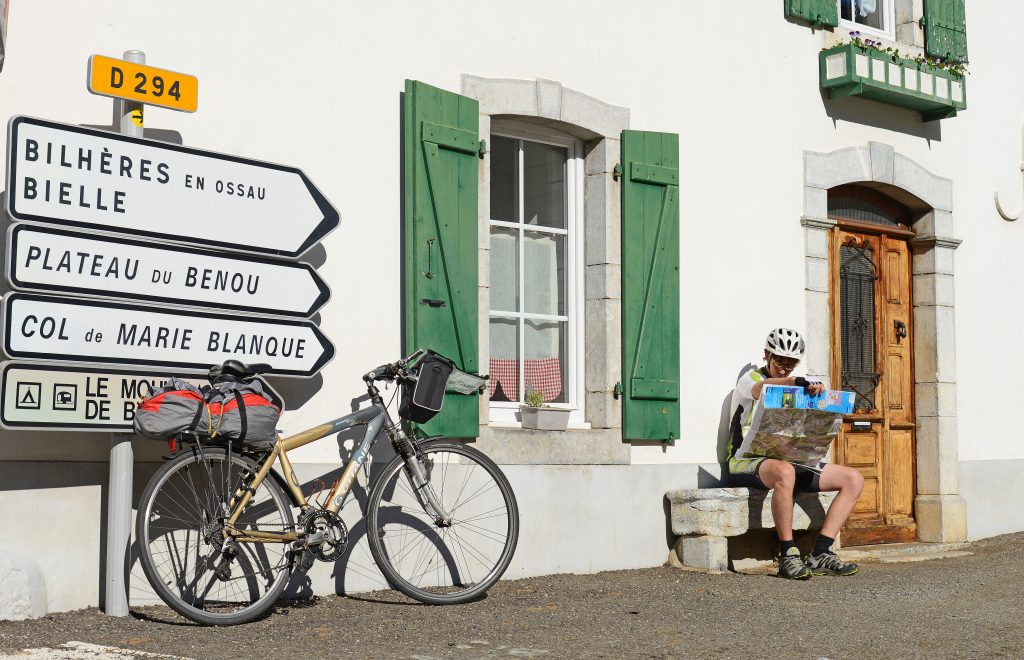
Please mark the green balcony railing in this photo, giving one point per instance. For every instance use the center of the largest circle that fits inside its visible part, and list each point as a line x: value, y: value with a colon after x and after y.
x: 852, y: 70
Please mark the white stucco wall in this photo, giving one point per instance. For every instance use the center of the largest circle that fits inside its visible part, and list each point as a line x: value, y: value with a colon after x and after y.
x: 318, y: 87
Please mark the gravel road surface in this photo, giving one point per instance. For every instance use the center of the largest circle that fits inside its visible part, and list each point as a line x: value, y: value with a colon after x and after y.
x: 944, y: 608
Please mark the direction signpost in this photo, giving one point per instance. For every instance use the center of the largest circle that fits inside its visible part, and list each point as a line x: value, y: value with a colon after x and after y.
x: 81, y: 398
x: 188, y: 206
x: 83, y: 177
x: 88, y: 264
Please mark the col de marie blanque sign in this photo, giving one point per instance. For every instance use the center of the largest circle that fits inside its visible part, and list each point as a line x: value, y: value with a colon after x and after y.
x: 133, y: 302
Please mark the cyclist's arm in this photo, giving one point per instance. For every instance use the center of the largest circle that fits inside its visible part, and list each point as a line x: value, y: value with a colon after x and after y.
x: 814, y: 388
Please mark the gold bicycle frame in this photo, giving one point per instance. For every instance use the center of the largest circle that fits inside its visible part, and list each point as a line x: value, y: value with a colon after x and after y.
x: 373, y: 417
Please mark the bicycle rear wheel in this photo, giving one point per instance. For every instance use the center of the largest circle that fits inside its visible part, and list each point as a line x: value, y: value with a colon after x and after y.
x: 184, y: 551
x: 444, y: 564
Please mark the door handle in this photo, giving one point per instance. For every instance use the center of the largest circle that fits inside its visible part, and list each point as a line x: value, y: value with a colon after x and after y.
x: 901, y: 330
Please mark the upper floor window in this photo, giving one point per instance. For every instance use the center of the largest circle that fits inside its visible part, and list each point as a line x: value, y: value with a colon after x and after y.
x: 872, y: 17
x: 535, y: 259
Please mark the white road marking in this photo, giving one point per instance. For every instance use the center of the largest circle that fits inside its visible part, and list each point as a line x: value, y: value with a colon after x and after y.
x: 85, y: 651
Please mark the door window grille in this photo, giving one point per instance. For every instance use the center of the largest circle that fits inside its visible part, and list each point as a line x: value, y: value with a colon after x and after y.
x: 857, y: 276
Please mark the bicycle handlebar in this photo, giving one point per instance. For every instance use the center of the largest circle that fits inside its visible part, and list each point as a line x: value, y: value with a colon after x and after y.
x: 392, y: 370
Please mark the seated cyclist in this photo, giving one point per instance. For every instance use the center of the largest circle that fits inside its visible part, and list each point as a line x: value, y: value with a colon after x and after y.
x: 783, y: 351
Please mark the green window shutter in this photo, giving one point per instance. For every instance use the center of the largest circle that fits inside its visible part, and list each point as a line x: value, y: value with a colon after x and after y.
x: 817, y: 12
x: 440, y: 181
x: 945, y: 29
x: 650, y: 286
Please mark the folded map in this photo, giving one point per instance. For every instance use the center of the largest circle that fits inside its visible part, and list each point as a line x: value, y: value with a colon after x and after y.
x: 791, y: 425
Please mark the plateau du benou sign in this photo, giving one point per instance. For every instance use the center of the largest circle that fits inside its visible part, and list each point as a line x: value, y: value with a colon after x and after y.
x: 55, y: 328
x: 51, y: 259
x: 52, y: 396
x: 90, y: 178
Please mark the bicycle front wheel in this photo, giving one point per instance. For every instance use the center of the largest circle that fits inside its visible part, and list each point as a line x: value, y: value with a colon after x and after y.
x: 450, y: 562
x: 193, y: 565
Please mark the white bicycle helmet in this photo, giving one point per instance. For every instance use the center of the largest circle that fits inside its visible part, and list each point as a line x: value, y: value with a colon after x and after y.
x: 784, y: 342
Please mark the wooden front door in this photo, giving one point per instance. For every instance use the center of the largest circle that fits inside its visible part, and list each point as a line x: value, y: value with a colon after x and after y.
x: 872, y: 356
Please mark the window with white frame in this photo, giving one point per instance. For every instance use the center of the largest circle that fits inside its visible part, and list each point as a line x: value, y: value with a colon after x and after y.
x: 873, y: 17
x: 536, y: 296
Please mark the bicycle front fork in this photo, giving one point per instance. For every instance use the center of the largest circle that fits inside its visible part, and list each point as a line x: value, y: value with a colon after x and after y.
x: 415, y: 469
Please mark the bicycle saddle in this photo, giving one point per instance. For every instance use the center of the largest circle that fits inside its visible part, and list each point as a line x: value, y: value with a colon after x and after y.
x: 233, y: 370
x: 229, y: 370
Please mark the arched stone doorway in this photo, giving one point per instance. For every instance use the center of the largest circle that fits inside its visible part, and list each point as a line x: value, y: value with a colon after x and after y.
x: 938, y: 509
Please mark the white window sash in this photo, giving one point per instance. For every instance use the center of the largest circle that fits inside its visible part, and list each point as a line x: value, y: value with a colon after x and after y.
x: 503, y: 413
x: 888, y: 17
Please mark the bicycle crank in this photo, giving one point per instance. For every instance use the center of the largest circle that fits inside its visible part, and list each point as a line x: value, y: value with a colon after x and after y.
x: 326, y: 534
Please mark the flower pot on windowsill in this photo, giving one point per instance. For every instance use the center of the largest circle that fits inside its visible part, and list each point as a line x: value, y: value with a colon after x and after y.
x: 544, y: 418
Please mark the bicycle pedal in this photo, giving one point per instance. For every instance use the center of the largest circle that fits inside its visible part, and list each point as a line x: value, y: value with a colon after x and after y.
x: 306, y: 560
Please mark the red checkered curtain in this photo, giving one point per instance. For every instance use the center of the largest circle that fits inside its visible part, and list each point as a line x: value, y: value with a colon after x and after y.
x: 541, y: 374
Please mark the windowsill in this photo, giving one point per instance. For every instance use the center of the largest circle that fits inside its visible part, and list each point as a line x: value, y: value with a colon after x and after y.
x: 864, y: 30
x: 514, y: 445
x: 573, y: 426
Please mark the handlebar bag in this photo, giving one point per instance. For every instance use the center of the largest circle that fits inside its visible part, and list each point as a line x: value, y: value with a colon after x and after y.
x: 422, y: 398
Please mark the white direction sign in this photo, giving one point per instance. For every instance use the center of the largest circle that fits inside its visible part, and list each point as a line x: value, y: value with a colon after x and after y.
x: 48, y: 396
x: 54, y: 328
x: 51, y: 259
x: 90, y: 178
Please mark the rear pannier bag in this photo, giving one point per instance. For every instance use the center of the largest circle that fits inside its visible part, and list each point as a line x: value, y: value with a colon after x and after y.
x: 422, y: 398
x: 236, y: 411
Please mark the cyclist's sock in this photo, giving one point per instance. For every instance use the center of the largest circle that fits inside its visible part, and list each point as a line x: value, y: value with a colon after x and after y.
x: 822, y: 545
x: 784, y: 546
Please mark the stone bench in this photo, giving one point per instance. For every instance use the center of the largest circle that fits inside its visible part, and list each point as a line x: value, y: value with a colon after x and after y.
x: 704, y: 519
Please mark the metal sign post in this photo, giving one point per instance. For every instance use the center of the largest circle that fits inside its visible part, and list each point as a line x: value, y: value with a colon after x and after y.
x: 122, y: 458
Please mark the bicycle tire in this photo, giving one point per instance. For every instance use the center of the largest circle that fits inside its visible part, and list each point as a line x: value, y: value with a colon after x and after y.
x: 180, y: 544
x: 439, y: 565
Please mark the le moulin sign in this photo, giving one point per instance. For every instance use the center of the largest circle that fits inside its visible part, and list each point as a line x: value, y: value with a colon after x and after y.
x: 81, y: 398
x: 89, y: 264
x: 95, y: 179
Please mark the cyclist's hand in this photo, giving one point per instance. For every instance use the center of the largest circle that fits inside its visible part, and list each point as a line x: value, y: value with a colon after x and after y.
x: 812, y: 387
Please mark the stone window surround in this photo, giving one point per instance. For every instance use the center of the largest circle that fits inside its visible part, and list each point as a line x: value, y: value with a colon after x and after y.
x: 598, y: 125
x: 940, y: 511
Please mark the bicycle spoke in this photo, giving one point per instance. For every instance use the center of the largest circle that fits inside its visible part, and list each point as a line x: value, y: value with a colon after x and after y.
x: 451, y: 562
x: 182, y: 540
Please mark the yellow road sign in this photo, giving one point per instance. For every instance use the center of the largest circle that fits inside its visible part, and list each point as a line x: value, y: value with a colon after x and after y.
x: 144, y: 84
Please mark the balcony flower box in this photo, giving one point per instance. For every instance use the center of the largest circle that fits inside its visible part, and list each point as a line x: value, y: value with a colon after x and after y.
x: 855, y: 70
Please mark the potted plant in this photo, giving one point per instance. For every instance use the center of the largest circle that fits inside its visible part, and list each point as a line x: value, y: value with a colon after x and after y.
x: 535, y: 413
